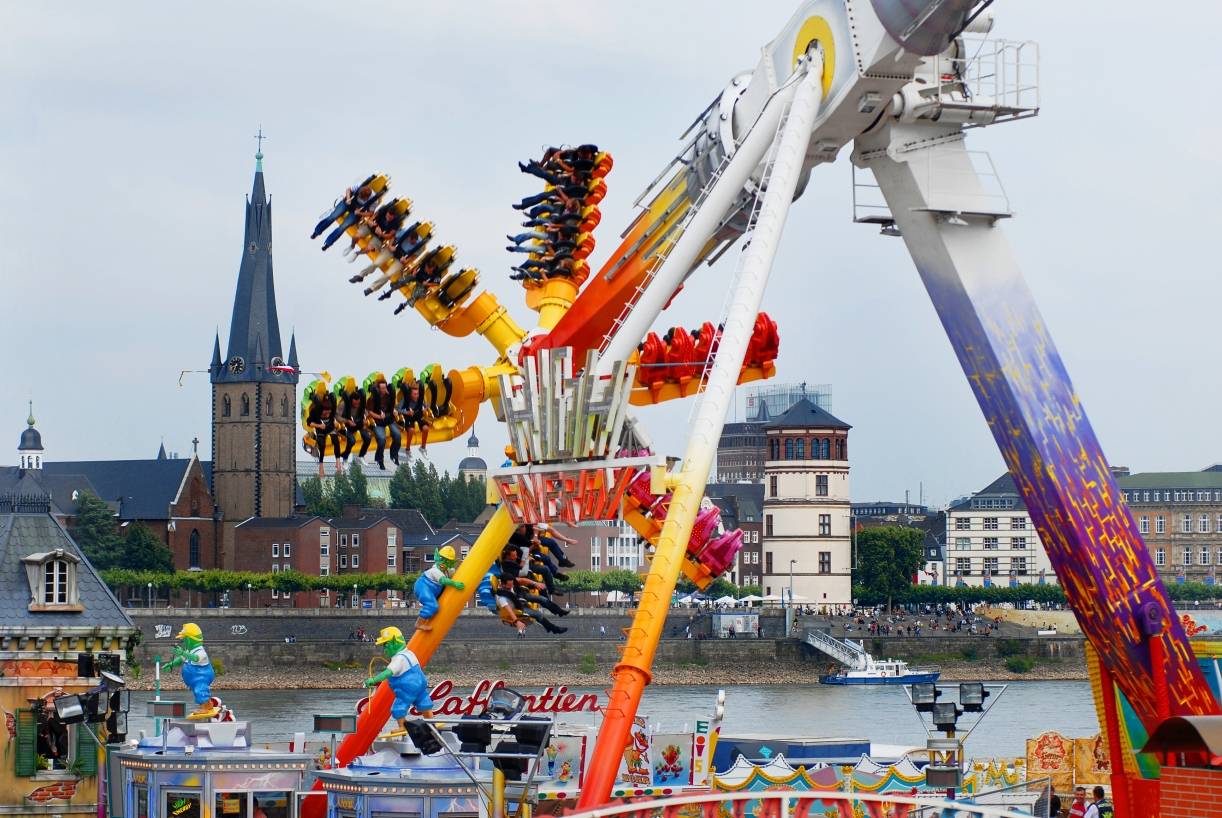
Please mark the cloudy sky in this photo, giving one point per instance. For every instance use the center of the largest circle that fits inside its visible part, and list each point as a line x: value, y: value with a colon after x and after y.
x: 126, y: 152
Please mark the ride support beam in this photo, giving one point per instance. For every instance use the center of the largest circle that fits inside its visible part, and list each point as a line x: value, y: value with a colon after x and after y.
x: 688, y: 247
x: 632, y: 674
x: 470, y: 571
x: 948, y: 219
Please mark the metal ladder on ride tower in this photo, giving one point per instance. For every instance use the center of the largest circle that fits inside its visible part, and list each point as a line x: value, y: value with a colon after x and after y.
x: 843, y: 651
x: 748, y: 234
x: 661, y: 256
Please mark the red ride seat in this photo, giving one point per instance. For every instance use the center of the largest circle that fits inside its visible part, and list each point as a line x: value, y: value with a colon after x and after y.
x: 681, y: 355
x: 703, y: 530
x: 707, y: 338
x: 719, y: 556
x: 651, y: 370
x: 638, y: 490
x: 765, y: 341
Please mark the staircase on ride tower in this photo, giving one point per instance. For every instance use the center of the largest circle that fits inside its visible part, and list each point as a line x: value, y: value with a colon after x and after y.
x: 254, y: 401
x: 807, y: 536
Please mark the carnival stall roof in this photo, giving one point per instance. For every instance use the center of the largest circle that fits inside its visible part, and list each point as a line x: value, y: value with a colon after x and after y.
x: 725, y: 600
x: 750, y: 598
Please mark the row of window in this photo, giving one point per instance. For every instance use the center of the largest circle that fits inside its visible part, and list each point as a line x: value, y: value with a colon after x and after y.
x: 825, y: 525
x: 287, y: 549
x: 990, y: 543
x: 796, y: 448
x: 991, y: 523
x: 825, y: 562
x: 1173, y: 496
x: 991, y: 565
x: 227, y: 406
x: 1186, y: 524
x: 820, y: 485
x: 1186, y: 554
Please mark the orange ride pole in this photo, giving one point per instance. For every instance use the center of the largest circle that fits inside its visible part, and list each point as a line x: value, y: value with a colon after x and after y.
x: 369, y: 724
x: 632, y: 674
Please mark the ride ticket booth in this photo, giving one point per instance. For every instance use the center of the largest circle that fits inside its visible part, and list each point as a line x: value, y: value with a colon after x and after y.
x: 208, y: 770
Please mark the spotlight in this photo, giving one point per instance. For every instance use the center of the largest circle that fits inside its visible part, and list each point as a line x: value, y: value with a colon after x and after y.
x: 945, y: 714
x: 972, y: 696
x: 423, y: 737
x: 70, y: 709
x: 925, y: 696
x: 532, y: 733
x: 475, y: 733
x: 513, y: 768
x: 504, y: 703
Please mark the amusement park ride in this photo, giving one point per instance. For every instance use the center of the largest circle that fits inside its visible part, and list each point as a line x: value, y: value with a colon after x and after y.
x: 899, y: 84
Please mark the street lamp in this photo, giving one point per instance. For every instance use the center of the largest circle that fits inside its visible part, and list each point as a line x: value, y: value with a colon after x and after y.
x: 150, y: 594
x: 354, y: 602
x: 248, y: 586
x: 791, y: 564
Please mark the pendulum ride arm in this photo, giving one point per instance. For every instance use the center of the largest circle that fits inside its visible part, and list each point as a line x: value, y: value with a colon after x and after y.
x: 1035, y: 415
x: 470, y: 572
x: 632, y: 674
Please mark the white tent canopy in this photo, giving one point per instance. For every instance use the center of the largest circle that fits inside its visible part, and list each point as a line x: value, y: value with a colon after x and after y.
x: 751, y: 598
x: 724, y: 600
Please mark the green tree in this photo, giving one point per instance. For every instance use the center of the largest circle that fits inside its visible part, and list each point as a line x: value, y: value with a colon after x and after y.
x: 341, y: 492
x: 749, y: 590
x: 721, y: 587
x: 428, y: 485
x: 359, y: 484
x: 887, y: 559
x: 142, y: 551
x: 317, y: 499
x: 403, y: 490
x: 95, y: 532
x: 620, y: 579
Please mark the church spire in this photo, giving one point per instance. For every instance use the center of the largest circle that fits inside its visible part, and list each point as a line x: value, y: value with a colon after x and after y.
x: 254, y: 330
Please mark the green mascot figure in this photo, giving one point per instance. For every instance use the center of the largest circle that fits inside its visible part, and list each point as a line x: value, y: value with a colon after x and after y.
x: 405, y: 676
x: 432, y: 582
x: 197, y: 673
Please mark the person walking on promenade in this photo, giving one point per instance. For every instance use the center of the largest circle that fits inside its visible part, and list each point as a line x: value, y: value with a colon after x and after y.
x: 1100, y: 807
x: 1077, y: 809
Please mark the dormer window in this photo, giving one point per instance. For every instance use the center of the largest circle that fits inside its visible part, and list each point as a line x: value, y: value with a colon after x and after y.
x: 52, y: 580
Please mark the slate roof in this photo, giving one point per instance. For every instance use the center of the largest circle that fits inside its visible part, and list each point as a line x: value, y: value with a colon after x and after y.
x: 435, y: 540
x: 25, y: 532
x: 1207, y: 479
x: 472, y: 464
x: 58, y: 486
x: 142, y: 489
x: 254, y: 329
x: 278, y: 522
x: 806, y: 415
x: 748, y: 496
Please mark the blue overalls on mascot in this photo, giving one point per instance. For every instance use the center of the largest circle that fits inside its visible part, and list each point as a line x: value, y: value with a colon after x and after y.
x: 432, y: 582
x: 197, y: 672
x: 405, y: 676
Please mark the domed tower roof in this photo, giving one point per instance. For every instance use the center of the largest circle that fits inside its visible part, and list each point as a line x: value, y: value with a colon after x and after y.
x: 472, y: 464
x: 31, y: 440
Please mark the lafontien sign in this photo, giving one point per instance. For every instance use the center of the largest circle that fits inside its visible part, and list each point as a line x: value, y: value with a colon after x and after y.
x: 551, y: 700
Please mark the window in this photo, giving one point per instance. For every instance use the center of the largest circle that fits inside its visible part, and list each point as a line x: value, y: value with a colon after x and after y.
x: 1220, y: 555
x: 1219, y: 524
x: 825, y: 562
x: 1186, y: 524
x: 356, y: 540
x: 343, y: 560
x: 1187, y: 555
x: 428, y: 554
x: 990, y: 543
x: 1018, y: 565
x: 245, y: 405
x: 284, y: 406
x: 825, y: 525
x: 820, y: 485
x: 991, y: 565
x: 343, y: 540
x: 772, y: 486
x: 1018, y: 523
x: 275, y: 593
x: 1160, y: 556
x: 801, y: 448
x: 324, y: 542
x: 1203, y: 559
x: 768, y: 563
x: 392, y: 537
x: 390, y: 557
x: 324, y: 571
x: 1018, y: 544
x: 193, y: 548
x: 1145, y: 496
x: 963, y: 523
x: 275, y: 549
x: 840, y: 449
x: 963, y: 565
x: 963, y: 543
x: 275, y: 568
x: 768, y: 526
x: 55, y: 582
x: 356, y: 560
x: 755, y: 536
x: 1143, y: 524
x: 226, y: 407
x: 1160, y: 524
x: 755, y: 558
x: 789, y: 449
x: 991, y: 524
x: 1203, y: 524
x: 287, y: 546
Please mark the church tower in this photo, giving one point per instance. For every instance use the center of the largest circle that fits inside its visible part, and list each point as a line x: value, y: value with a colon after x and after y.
x: 254, y: 406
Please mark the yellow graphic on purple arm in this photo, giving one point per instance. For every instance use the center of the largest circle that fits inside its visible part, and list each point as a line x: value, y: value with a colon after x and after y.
x: 1051, y: 450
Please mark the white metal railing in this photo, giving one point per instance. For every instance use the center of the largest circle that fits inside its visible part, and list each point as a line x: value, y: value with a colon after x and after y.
x: 842, y: 651
x: 1001, y: 75
x: 799, y: 804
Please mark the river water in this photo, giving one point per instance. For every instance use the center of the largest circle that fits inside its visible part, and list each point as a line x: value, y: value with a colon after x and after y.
x: 881, y: 714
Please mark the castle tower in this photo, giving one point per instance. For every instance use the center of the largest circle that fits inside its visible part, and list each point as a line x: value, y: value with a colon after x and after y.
x: 29, y: 449
x: 254, y: 402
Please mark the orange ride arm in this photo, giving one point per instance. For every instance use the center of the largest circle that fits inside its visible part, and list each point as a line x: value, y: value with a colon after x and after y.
x: 484, y: 314
x: 594, y: 312
x: 470, y: 571
x: 632, y: 674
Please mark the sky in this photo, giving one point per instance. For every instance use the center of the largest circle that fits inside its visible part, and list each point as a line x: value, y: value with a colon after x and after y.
x: 126, y: 151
